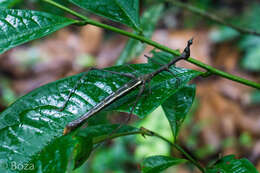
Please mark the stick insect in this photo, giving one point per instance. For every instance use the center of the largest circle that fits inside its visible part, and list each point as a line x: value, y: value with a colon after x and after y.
x: 126, y: 88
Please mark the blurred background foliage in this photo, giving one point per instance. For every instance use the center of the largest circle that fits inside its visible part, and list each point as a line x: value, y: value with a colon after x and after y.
x: 225, y: 118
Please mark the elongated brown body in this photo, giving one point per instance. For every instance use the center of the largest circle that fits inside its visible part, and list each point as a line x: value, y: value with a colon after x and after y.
x: 108, y: 100
x: 129, y: 86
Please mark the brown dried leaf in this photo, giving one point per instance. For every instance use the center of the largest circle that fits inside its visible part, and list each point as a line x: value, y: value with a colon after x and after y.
x: 226, y: 57
x: 90, y: 39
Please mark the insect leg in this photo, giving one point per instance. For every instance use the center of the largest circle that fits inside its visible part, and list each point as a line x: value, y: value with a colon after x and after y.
x: 75, y: 87
x: 168, y: 70
x: 136, y: 100
x: 130, y: 75
x: 132, y: 109
x: 154, y: 61
x: 83, y: 76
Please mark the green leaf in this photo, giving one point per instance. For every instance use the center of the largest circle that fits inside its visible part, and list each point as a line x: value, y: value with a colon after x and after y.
x: 48, y: 8
x: 223, y: 34
x: 230, y: 164
x: 76, y: 148
x: 33, y: 122
x: 248, y: 42
x: 21, y: 26
x: 156, y: 164
x: 155, y: 94
x: 160, y: 58
x: 63, y: 154
x: 99, y: 133
x: 255, y: 97
x: 251, y: 60
x: 249, y: 18
x: 8, y: 3
x: 177, y: 106
x: 134, y: 47
x: 126, y: 12
x: 250, y: 46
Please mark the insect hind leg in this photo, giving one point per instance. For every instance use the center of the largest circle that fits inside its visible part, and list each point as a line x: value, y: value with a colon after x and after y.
x: 75, y: 88
x: 129, y: 75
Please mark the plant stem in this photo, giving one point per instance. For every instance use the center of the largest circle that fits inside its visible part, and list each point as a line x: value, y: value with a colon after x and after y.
x: 145, y: 132
x: 156, y: 45
x: 212, y: 17
x: 193, y: 161
x: 66, y: 9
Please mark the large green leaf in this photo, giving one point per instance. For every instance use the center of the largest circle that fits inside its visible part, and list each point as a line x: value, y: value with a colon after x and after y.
x: 33, y: 122
x: 134, y: 47
x: 76, y: 148
x: 126, y: 12
x: 20, y: 26
x: 156, y: 164
x: 177, y: 106
x: 230, y: 164
x: 156, y: 93
x: 60, y: 155
x: 8, y: 3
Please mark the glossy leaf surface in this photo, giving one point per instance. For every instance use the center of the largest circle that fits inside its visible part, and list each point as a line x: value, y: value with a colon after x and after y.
x: 126, y: 12
x: 21, y: 26
x: 230, y: 164
x: 33, y: 122
x: 73, y: 150
x: 8, y: 3
x: 177, y: 106
x: 61, y: 155
x: 156, y: 164
x: 100, y: 132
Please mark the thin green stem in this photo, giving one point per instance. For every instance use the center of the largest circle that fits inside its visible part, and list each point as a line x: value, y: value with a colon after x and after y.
x: 157, y: 45
x: 66, y: 9
x: 212, y: 17
x: 109, y: 137
x: 180, y: 149
x: 146, y: 132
